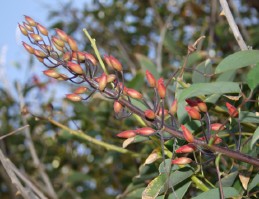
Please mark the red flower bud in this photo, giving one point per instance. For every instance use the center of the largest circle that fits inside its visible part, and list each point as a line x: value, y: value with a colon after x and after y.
x: 72, y: 44
x: 187, y: 134
x: 149, y: 114
x: 174, y: 107
x: 193, y: 101
x: 36, y: 37
x: 80, y: 90
x: 151, y: 79
x: 91, y: 58
x: 23, y: 30
x: 67, y: 56
x: 28, y: 48
x: 181, y: 161
x: 217, y: 127
x: 126, y: 134
x: 117, y: 107
x: 232, y: 111
x: 146, y: 131
x: 215, y: 139
x: 193, y: 113
x: 134, y: 94
x: 111, y: 78
x: 51, y: 73
x: 115, y: 64
x: 160, y: 112
x: 202, y: 107
x: 62, y: 34
x: 107, y: 60
x: 161, y: 88
x: 74, y: 97
x: 30, y: 21
x: 62, y: 77
x: 42, y: 29
x: 39, y: 53
x: 76, y: 68
x: 102, y: 82
x: 188, y: 148
x: 28, y: 27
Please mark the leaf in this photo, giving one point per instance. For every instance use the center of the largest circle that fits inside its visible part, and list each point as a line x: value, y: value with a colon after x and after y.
x: 180, y: 175
x: 137, y: 81
x: 252, y: 77
x: 246, y: 117
x: 253, y: 183
x: 228, y: 192
x: 205, y: 68
x: 152, y: 157
x: 238, y: 60
x: 146, y: 64
x: 135, y: 193
x: 209, y: 89
x: 244, y: 177
x: 254, y: 138
x: 228, y: 180
x: 75, y: 177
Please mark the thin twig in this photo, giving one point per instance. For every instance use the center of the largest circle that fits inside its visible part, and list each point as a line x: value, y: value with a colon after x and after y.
x: 13, y: 132
x: 219, y: 178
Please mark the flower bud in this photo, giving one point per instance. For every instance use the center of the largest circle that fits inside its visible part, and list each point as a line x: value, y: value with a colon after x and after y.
x: 126, y: 134
x: 23, y: 30
x: 42, y: 29
x: 134, y: 94
x: 107, y: 60
x: 232, y: 111
x: 214, y: 139
x: 181, y: 161
x: 187, y: 134
x: 102, y: 82
x: 30, y: 21
x: 58, y: 41
x: 202, y: 107
x: 78, y: 56
x: 72, y: 44
x: 188, y: 148
x: 193, y: 113
x: 150, y: 79
x: 28, y: 27
x: 67, y: 56
x: 58, y: 47
x: 76, y: 68
x: 80, y: 90
x: 217, y: 127
x: 146, y: 131
x: 51, y: 73
x: 174, y: 107
x: 39, y: 53
x: 115, y: 64
x: 91, y: 58
x: 149, y: 114
x: 62, y: 77
x: 117, y: 107
x: 36, y: 37
x: 111, y: 78
x: 62, y: 34
x: 74, y: 97
x: 193, y: 101
x: 125, y: 89
x: 28, y: 48
x: 160, y: 112
x: 161, y: 88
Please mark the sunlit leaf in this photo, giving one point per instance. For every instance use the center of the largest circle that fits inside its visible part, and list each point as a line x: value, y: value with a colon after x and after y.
x: 246, y: 116
x: 204, y: 68
x: 255, y: 137
x: 252, y: 77
x: 228, y: 192
x: 253, y: 183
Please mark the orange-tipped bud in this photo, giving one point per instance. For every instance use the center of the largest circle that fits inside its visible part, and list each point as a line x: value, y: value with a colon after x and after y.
x: 102, y: 82
x: 150, y: 79
x: 214, y: 139
x: 23, y: 30
x: 126, y: 134
x: 174, y: 107
x: 146, y: 131
x: 217, y: 127
x: 78, y: 56
x: 28, y: 27
x: 72, y: 44
x: 58, y: 47
x: 117, y: 107
x: 181, y: 161
x: 62, y: 77
x: 74, y: 97
x: 67, y: 56
x: 187, y: 134
x: 39, y: 53
x: 62, y: 34
x: 115, y: 64
x: 80, y: 90
x: 30, y: 21
x: 111, y: 78
x: 202, y: 107
x: 125, y: 89
x: 188, y: 148
x: 107, y: 60
x: 36, y: 37
x: 58, y: 41
x: 134, y: 94
x: 232, y: 111
x: 40, y: 59
x: 160, y: 112
x: 149, y: 114
x: 193, y: 113
x: 51, y: 73
x: 91, y: 58
x: 161, y: 88
x: 28, y: 48
x: 76, y: 68
x: 42, y: 29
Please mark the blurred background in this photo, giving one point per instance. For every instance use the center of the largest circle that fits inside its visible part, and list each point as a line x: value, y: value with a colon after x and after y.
x: 138, y: 33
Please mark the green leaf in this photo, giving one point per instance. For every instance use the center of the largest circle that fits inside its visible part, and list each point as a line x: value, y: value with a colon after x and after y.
x: 246, y: 117
x: 254, y: 138
x: 252, y: 77
x: 253, y: 183
x: 147, y: 64
x: 238, y: 60
x: 178, y: 192
x: 137, y: 82
x: 180, y: 175
x: 135, y: 193
x: 75, y: 177
x: 209, y: 89
x: 205, y: 68
x: 228, y: 192
x: 228, y: 180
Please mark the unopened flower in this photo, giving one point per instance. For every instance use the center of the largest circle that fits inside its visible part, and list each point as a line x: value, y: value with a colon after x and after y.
x: 62, y: 34
x: 30, y: 21
x: 232, y: 111
x: 193, y: 113
x: 76, y: 68
x: 111, y: 78
x: 117, y: 107
x: 188, y: 148
x: 28, y: 27
x: 42, y: 29
x: 80, y: 90
x: 102, y: 82
x: 174, y: 107
x: 72, y: 44
x: 181, y: 161
x: 202, y: 106
x: 35, y: 37
x: 149, y: 114
x: 58, y: 41
x: 23, y: 30
x: 150, y: 79
x: 74, y: 97
x: 161, y: 89
x: 217, y: 127
x: 91, y: 58
x: 39, y: 53
x: 126, y: 134
x: 146, y: 131
x: 51, y: 73
x: 113, y: 62
x: 134, y: 94
x: 187, y: 134
x: 28, y: 48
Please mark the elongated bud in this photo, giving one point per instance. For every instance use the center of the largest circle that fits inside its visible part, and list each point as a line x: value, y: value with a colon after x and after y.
x: 40, y: 59
x: 74, y: 97
x: 188, y: 148
x: 23, y: 30
x: 187, y: 134
x: 42, y: 29
x: 78, y: 56
x: 80, y: 90
x: 127, y: 134
x: 58, y: 41
x: 76, y: 68
x: 161, y: 88
x: 107, y: 60
x: 62, y: 77
x: 125, y: 89
x: 36, y: 37
x: 214, y: 139
x: 102, y: 82
x: 72, y: 44
x: 58, y: 47
x: 115, y: 64
x: 174, y: 107
x: 134, y: 94
x: 150, y: 79
x: 232, y: 111
x: 117, y: 107
x: 39, y: 53
x: 111, y: 78
x: 193, y: 101
x: 146, y: 131
x: 28, y: 48
x: 30, y: 21
x: 217, y: 127
x: 160, y: 112
x: 149, y: 114
x: 91, y: 58
x: 181, y: 161
x: 28, y: 27
x: 202, y: 107
x: 67, y: 56
x: 62, y: 34
x: 193, y: 113
x: 51, y: 73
